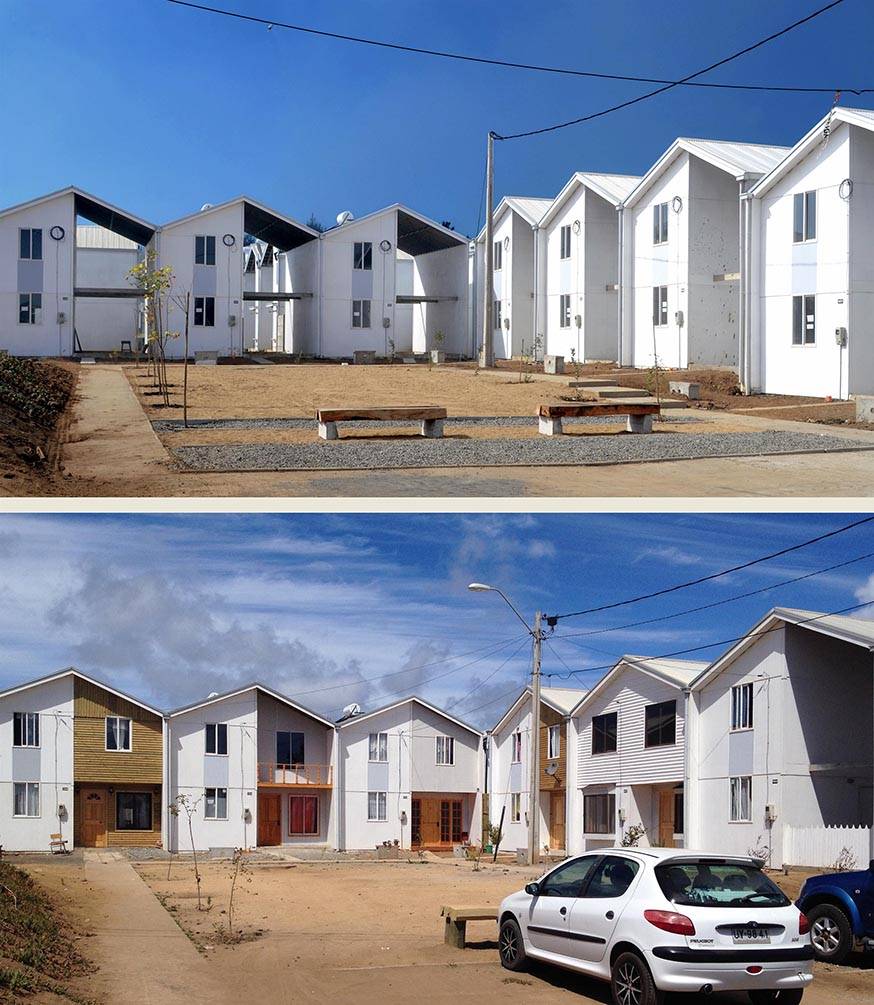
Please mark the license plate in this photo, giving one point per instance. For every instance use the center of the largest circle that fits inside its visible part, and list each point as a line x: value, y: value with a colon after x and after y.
x: 746, y: 936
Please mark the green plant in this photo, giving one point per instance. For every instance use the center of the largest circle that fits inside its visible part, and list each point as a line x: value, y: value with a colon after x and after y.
x: 632, y: 835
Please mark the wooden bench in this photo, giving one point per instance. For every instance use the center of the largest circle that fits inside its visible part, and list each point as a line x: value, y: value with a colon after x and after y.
x: 457, y: 919
x: 431, y: 417
x: 58, y: 844
x: 639, y: 415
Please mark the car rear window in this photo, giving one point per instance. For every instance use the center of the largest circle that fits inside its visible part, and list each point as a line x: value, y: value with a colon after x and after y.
x: 716, y: 883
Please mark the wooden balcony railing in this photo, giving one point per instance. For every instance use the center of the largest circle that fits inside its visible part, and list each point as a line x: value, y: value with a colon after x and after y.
x: 270, y: 773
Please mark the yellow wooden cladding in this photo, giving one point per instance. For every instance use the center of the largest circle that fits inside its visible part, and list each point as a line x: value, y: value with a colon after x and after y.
x: 105, y: 834
x: 92, y: 762
x: 557, y: 780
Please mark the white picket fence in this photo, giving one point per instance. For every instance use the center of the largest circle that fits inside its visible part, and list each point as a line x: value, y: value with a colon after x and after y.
x: 820, y: 846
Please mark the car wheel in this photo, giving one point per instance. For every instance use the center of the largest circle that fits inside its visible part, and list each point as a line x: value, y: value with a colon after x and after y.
x: 789, y: 996
x: 511, y: 947
x: 830, y: 933
x: 632, y: 983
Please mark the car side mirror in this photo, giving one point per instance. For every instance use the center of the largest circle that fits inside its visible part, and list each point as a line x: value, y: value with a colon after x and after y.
x: 532, y: 889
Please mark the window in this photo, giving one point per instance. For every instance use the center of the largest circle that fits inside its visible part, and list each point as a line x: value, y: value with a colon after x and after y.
x: 659, y: 305
x: 376, y: 806
x: 450, y: 821
x: 25, y: 799
x: 569, y: 879
x: 612, y: 878
x: 498, y: 256
x: 215, y: 804
x: 679, y: 813
x: 599, y: 812
x: 30, y: 244
x: 25, y: 729
x: 360, y: 313
x: 118, y: 733
x: 804, y: 320
x: 565, y: 242
x: 377, y: 747
x: 133, y: 811
x: 660, y: 223
x: 517, y: 747
x: 742, y: 706
x: 445, y: 750
x: 496, y: 315
x: 30, y: 308
x: 741, y: 794
x: 204, y: 312
x: 804, y: 217
x: 515, y: 807
x: 564, y: 310
x: 704, y: 882
x: 303, y: 815
x: 362, y: 256
x: 204, y: 250
x: 604, y: 733
x: 216, y: 738
x: 553, y: 742
x: 289, y: 748
x: 661, y: 724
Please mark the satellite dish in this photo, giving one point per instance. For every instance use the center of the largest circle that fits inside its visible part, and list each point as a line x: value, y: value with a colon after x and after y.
x: 344, y: 217
x: 205, y: 207
x: 551, y: 768
x: 350, y: 710
x: 213, y: 694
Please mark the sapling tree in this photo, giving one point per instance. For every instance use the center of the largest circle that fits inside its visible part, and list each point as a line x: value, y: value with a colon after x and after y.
x: 156, y: 282
x: 185, y: 804
x: 239, y: 865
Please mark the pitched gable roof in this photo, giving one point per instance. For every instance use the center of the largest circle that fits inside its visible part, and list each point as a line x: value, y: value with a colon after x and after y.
x: 342, y: 723
x: 74, y: 672
x: 253, y: 686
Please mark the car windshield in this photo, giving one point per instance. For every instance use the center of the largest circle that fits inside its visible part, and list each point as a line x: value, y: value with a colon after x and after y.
x: 716, y: 883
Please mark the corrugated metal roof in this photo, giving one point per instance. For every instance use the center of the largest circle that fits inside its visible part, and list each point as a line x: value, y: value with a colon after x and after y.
x: 738, y: 158
x: 612, y: 187
x: 563, y: 698
x: 681, y: 671
x: 856, y: 630
x: 93, y: 236
x: 530, y: 208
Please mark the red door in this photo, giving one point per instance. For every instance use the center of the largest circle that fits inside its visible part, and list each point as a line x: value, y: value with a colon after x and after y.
x: 303, y: 816
x: 269, y: 818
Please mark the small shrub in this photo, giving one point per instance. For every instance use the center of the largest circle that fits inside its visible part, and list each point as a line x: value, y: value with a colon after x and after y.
x: 845, y: 862
x: 632, y: 835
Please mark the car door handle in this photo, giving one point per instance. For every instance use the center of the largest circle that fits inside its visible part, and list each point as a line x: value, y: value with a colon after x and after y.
x: 562, y: 911
x: 609, y: 915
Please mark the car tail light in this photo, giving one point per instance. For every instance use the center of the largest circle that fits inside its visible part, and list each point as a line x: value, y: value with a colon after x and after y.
x: 670, y: 921
x: 803, y: 924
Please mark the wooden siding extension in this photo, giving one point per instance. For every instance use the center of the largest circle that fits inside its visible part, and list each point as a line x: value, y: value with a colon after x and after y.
x: 112, y: 837
x: 92, y: 762
x: 549, y: 717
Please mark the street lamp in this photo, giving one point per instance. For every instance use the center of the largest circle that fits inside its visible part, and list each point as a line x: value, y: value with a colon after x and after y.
x: 534, y: 790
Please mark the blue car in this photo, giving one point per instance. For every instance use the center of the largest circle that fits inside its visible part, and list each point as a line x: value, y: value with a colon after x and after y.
x: 840, y: 909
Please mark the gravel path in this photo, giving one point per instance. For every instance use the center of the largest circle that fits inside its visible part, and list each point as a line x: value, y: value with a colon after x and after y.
x: 423, y: 453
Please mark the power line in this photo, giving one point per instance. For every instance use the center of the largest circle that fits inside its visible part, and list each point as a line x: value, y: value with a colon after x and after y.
x: 715, y: 575
x: 514, y: 65
x: 668, y: 86
x: 713, y: 645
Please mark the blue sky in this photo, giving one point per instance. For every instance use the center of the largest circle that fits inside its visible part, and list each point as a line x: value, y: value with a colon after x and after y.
x: 338, y: 608
x: 160, y: 109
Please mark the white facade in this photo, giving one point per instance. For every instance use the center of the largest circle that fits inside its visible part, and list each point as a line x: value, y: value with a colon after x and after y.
x: 802, y: 756
x: 104, y: 261
x: 582, y: 267
x: 381, y: 779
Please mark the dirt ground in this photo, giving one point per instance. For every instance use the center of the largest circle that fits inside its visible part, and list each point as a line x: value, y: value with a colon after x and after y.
x: 363, y: 932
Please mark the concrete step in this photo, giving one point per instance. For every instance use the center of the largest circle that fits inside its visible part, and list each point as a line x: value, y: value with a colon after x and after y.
x: 593, y: 382
x: 622, y: 392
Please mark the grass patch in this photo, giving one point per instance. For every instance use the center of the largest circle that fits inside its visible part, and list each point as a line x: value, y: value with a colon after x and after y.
x: 36, y: 391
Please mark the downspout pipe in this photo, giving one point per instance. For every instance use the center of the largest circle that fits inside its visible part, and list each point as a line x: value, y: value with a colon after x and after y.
x: 620, y: 283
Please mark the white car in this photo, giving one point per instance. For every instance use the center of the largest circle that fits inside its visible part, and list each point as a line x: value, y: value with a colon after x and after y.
x: 654, y: 920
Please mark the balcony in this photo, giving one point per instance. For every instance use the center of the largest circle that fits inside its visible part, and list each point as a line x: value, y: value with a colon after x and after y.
x: 296, y: 775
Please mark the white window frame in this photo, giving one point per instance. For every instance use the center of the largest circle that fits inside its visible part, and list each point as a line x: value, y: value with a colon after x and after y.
x: 28, y: 788
x: 808, y: 234
x: 361, y: 309
x: 30, y: 727
x: 565, y: 242
x: 515, y: 807
x: 660, y: 223
x: 553, y: 741
x: 215, y: 790
x: 737, y: 784
x: 203, y: 321
x: 130, y: 734
x: 497, y: 256
x: 564, y: 310
x: 444, y: 751
x: 29, y: 257
x: 360, y: 251
x: 216, y: 726
x: 742, y: 707
x: 806, y: 304
x: 516, y: 748
x: 34, y: 311
x: 381, y: 805
x: 660, y: 314
x: 496, y: 315
x: 206, y: 238
x: 377, y: 742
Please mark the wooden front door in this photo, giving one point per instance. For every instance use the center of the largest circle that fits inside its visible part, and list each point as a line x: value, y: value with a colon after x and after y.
x: 437, y: 823
x: 556, y: 820
x: 92, y: 824
x: 269, y: 818
x: 666, y: 818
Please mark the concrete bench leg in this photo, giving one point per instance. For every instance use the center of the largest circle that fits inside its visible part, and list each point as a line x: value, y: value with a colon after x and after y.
x: 432, y: 427
x: 455, y: 933
x: 328, y: 430
x: 639, y: 424
x: 550, y: 427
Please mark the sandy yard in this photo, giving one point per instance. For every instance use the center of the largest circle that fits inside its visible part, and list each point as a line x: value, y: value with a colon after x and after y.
x: 341, y: 932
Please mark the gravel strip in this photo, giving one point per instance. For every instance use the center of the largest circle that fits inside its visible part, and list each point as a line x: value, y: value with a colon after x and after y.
x: 175, y: 426
x: 438, y: 453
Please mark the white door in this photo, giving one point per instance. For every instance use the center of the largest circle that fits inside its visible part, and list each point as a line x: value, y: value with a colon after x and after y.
x: 551, y: 909
x: 603, y: 900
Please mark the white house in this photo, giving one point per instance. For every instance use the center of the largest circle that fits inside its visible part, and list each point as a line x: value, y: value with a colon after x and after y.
x: 781, y: 735
x: 582, y: 266
x: 629, y: 740
x: 518, y: 303
x: 392, y: 278
x: 811, y: 296
x: 46, y: 274
x: 408, y: 773
x: 256, y: 767
x: 681, y: 263
x: 510, y: 768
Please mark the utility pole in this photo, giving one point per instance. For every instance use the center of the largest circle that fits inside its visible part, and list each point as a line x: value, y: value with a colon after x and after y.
x: 487, y: 352
x: 534, y: 795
